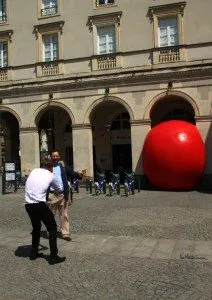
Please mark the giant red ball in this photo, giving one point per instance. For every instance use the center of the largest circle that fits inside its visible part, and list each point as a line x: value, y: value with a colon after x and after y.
x: 174, y: 156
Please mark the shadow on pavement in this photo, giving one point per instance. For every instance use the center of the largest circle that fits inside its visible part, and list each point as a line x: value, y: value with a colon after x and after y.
x: 24, y: 251
x: 44, y: 235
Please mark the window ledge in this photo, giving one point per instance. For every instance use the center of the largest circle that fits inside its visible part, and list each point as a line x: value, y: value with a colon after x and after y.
x: 48, y: 16
x: 104, y: 6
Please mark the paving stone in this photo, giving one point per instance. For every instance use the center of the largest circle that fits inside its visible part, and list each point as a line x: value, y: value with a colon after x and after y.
x: 121, y: 248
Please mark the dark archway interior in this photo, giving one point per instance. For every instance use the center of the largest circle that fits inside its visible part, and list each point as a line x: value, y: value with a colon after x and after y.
x: 57, y: 125
x: 172, y: 108
x: 10, y: 145
x: 111, y: 138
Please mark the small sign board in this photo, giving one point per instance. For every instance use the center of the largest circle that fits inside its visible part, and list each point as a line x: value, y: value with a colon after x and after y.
x: 10, y: 176
x: 9, y: 166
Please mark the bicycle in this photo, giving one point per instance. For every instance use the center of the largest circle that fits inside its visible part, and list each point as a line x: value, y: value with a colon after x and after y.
x: 100, y: 184
x: 114, y: 184
x: 129, y: 184
x: 20, y: 180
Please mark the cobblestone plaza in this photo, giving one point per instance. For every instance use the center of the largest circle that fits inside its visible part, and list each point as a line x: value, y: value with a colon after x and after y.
x: 153, y: 245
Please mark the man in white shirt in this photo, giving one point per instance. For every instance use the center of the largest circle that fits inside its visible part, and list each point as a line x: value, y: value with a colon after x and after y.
x: 36, y: 187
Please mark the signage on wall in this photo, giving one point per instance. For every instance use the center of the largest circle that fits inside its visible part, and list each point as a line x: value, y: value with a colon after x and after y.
x: 9, y: 166
x: 9, y: 177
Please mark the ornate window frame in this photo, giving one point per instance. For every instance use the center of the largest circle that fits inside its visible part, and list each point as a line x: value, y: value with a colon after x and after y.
x: 6, y: 72
x: 94, y: 22
x: 56, y: 67
x: 167, y: 11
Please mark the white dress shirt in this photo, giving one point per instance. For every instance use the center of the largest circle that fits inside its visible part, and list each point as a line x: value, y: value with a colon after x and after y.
x: 37, y: 184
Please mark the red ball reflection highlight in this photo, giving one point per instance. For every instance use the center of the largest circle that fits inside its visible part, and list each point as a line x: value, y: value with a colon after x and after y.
x: 174, y: 156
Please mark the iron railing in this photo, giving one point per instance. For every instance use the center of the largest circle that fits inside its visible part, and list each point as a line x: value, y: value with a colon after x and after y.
x: 49, y: 11
x: 106, y: 62
x: 50, y: 68
x: 3, y: 18
x: 169, y: 54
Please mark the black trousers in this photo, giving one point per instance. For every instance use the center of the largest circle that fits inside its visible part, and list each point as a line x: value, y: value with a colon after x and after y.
x: 39, y: 212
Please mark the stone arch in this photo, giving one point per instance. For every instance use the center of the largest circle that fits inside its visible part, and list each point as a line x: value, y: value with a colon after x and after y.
x: 161, y: 96
x: 38, y: 112
x: 101, y: 100
x: 10, y: 110
x: 114, y: 115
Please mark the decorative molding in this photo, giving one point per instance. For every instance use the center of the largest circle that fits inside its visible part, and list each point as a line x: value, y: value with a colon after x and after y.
x: 103, y: 81
x: 116, y: 17
x: 7, y: 34
x: 207, y: 118
x: 28, y: 129
x: 167, y: 8
x: 40, y: 28
x: 140, y: 122
x: 81, y: 126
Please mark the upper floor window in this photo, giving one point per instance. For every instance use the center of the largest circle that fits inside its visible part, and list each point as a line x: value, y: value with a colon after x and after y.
x: 50, y: 47
x: 3, y: 54
x: 168, y: 32
x: 3, y: 12
x: 106, y: 40
x: 104, y: 2
x: 49, y: 7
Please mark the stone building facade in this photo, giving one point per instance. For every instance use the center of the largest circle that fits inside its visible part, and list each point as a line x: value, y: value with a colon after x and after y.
x: 91, y: 77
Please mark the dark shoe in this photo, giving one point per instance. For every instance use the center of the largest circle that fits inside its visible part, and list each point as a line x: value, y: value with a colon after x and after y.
x: 67, y: 238
x: 34, y: 256
x: 56, y: 260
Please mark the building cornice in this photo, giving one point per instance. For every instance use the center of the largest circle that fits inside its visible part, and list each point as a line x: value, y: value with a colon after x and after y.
x: 101, y: 81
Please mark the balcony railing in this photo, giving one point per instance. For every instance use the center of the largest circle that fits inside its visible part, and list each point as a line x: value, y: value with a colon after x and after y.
x: 106, y: 62
x: 169, y: 54
x: 3, y: 18
x: 3, y: 74
x: 49, y: 11
x: 50, y: 68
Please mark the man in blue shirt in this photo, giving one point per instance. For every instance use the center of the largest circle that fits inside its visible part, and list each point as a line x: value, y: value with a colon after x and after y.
x: 59, y: 201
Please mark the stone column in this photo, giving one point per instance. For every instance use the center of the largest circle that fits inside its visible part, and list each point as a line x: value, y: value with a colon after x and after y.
x: 83, y: 148
x: 29, y: 149
x: 139, y: 130
x: 204, y: 125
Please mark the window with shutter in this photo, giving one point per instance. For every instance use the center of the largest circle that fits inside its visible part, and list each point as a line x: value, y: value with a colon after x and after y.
x: 3, y: 55
x: 50, y: 47
x: 3, y: 15
x: 106, y: 40
x: 49, y: 7
x: 168, y: 32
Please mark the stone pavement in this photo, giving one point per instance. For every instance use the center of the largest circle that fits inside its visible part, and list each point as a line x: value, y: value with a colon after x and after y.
x: 153, y: 245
